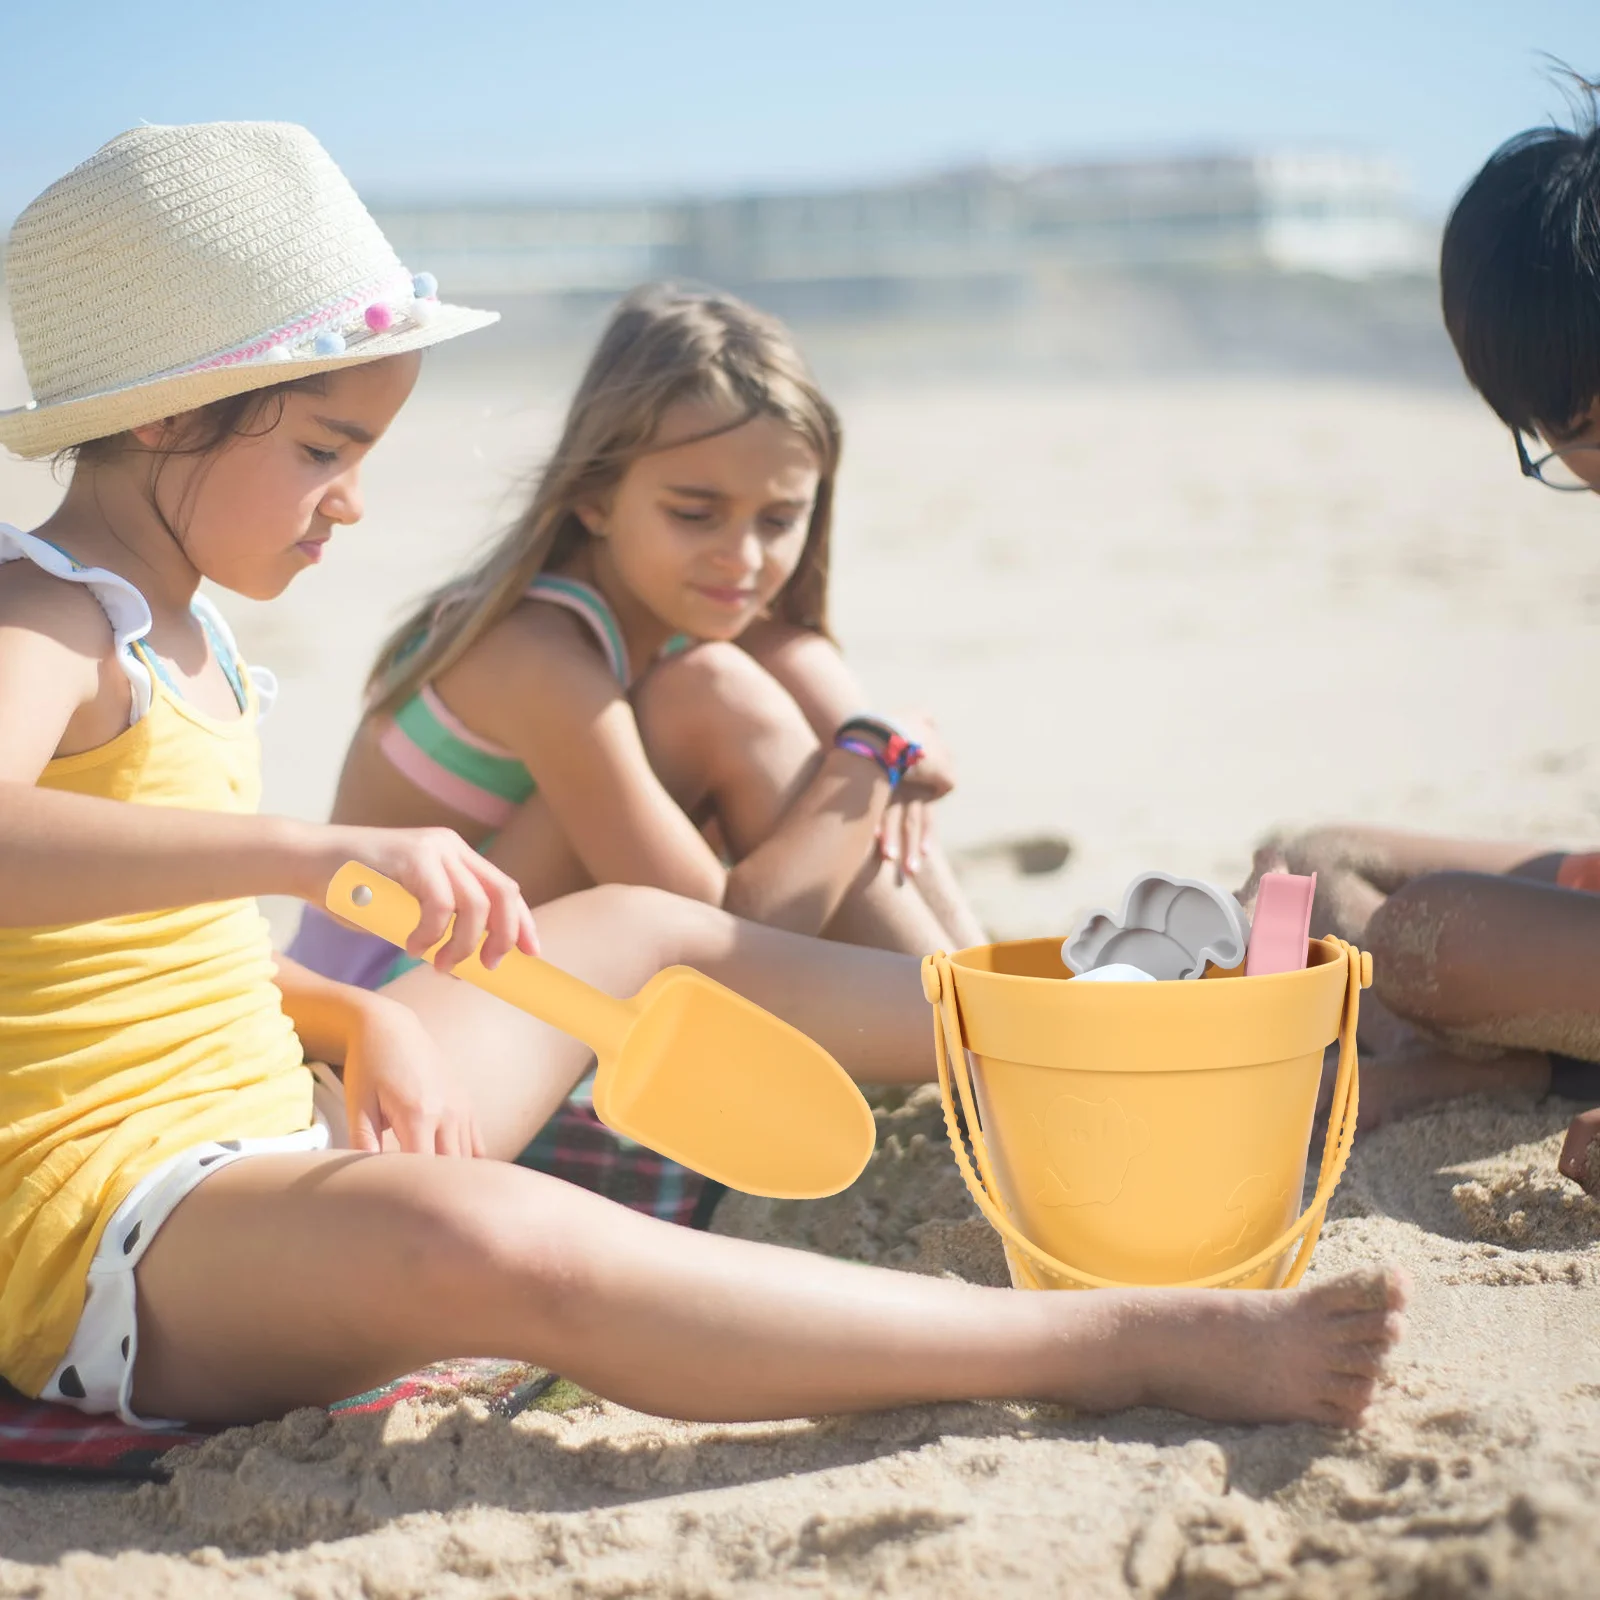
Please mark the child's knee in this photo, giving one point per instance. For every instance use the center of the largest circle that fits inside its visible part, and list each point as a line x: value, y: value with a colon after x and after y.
x: 1424, y: 959
x: 663, y: 929
x: 464, y: 1247
x: 712, y: 687
x: 712, y: 715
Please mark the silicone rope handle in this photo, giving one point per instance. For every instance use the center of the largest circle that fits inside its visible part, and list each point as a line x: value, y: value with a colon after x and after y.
x: 938, y: 984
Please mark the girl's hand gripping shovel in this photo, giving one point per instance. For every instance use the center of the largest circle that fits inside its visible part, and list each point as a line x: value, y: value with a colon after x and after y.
x: 687, y: 1067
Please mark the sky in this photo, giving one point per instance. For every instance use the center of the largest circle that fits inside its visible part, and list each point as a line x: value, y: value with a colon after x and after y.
x: 612, y: 97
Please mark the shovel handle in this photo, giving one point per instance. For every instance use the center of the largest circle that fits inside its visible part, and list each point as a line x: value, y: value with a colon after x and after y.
x: 378, y: 905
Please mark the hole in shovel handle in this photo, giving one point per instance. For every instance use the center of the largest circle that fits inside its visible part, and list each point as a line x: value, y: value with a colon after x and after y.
x: 361, y: 895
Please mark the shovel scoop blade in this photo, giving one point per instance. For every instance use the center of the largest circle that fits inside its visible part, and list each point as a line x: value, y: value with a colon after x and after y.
x: 717, y: 1084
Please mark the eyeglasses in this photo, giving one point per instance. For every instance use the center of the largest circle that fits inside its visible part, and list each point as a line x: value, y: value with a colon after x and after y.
x: 1574, y: 470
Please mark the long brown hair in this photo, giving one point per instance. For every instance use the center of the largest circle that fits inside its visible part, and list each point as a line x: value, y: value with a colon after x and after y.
x: 663, y: 346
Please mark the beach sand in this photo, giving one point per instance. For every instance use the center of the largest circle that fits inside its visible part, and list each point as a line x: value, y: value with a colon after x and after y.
x: 1154, y: 620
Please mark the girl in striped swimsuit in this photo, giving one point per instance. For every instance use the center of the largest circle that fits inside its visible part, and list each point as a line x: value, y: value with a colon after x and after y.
x: 638, y: 686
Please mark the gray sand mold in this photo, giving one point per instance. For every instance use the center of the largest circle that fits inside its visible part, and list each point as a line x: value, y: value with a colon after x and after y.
x: 1169, y: 927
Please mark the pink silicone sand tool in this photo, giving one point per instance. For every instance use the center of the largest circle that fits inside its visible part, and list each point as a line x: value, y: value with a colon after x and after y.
x: 1280, y: 931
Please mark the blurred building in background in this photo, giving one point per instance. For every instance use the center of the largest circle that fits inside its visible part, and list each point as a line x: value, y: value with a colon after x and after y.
x: 1304, y: 264
x: 1010, y: 229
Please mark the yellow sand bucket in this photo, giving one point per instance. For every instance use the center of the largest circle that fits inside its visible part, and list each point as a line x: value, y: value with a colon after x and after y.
x: 1145, y: 1133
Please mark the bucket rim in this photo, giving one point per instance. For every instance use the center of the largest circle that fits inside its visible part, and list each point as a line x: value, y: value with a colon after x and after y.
x: 1329, y: 951
x: 1019, y: 1015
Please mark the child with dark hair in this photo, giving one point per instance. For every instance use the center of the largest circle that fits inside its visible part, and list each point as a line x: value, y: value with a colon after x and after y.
x: 1487, y: 955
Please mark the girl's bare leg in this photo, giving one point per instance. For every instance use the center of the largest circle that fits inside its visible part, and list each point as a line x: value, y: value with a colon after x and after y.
x: 1492, y: 961
x: 1358, y: 868
x: 1483, y: 965
x: 865, y: 1007
x: 941, y: 890
x: 879, y: 913
x: 723, y: 733
x: 294, y: 1280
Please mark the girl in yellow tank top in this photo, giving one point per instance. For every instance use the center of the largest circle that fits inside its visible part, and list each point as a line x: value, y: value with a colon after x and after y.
x: 215, y: 327
x: 167, y: 1020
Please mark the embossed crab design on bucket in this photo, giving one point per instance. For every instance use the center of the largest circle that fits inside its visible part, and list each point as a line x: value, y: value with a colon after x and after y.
x: 1150, y: 1133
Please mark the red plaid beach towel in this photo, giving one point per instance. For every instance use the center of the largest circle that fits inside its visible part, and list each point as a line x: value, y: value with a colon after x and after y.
x: 39, y: 1436
x: 577, y: 1146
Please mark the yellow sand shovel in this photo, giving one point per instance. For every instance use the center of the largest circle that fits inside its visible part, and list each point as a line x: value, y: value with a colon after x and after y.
x: 687, y: 1067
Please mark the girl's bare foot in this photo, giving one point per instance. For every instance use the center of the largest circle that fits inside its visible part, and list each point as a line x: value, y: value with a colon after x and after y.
x: 1346, y: 897
x: 1293, y: 1355
x: 1381, y: 1033
x: 1269, y: 857
x: 1424, y: 1072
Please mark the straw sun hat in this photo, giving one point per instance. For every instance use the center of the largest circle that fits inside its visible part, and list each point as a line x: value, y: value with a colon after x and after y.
x: 181, y: 265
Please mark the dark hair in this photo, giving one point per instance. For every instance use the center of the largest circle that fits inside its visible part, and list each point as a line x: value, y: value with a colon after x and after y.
x: 236, y: 416
x: 1519, y: 273
x: 206, y: 428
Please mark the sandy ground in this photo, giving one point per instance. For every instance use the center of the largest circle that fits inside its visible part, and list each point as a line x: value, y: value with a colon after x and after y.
x: 1155, y: 619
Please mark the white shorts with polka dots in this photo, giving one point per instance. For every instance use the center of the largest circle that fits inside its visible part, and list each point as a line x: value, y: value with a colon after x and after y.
x: 96, y: 1373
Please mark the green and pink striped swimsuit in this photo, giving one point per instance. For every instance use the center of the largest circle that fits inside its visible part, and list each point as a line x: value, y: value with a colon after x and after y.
x: 430, y: 746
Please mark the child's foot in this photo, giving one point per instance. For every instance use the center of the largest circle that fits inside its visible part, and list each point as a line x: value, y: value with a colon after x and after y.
x: 1381, y: 1033
x: 1293, y: 1355
x: 1269, y: 857
x: 1424, y: 1073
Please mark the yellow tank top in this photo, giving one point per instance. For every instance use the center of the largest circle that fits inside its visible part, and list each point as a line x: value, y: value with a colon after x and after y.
x: 124, y: 1041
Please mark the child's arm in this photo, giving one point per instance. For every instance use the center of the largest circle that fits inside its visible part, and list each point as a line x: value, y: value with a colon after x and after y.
x: 819, y: 679
x: 395, y: 1078
x: 68, y: 858
x: 552, y: 701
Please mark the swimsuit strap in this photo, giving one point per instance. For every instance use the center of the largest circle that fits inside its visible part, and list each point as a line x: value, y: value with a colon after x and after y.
x: 585, y: 601
x: 446, y: 760
x: 219, y: 648
x: 215, y: 629
x: 223, y: 648
x: 156, y: 666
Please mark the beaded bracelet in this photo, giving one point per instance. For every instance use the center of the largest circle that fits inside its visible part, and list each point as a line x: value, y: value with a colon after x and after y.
x: 881, y: 742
